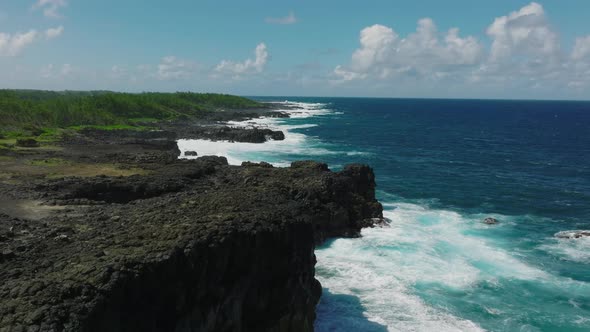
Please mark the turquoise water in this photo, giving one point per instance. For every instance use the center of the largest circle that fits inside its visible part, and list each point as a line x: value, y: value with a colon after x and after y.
x: 443, y: 166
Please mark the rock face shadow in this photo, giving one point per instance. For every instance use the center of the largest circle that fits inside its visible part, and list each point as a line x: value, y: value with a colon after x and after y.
x: 343, y: 312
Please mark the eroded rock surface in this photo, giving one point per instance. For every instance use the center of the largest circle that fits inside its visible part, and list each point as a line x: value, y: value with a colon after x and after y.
x: 191, y: 246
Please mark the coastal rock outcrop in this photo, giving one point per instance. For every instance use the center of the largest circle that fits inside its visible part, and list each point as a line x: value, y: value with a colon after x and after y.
x: 573, y: 234
x: 234, y: 134
x: 490, y: 221
x: 191, y: 153
x: 195, y: 245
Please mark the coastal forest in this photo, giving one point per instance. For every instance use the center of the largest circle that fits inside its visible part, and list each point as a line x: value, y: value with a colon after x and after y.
x: 26, y: 109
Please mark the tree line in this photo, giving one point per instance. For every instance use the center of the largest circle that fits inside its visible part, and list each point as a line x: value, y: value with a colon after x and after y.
x: 20, y: 108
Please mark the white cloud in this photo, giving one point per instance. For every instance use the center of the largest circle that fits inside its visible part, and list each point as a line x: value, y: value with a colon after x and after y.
x: 377, y: 46
x: 247, y: 67
x: 525, y: 55
x: 289, y: 19
x: 47, y: 71
x: 12, y: 45
x: 50, y: 7
x: 581, y: 48
x: 54, y: 32
x: 52, y: 71
x: 523, y: 32
x: 171, y: 68
x: 66, y: 70
x: 384, y: 54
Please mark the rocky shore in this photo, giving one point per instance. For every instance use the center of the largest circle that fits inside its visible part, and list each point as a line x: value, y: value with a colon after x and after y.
x: 109, y: 231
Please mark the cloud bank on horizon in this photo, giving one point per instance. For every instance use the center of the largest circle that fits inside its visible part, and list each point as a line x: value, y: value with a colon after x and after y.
x: 523, y: 52
x: 524, y: 49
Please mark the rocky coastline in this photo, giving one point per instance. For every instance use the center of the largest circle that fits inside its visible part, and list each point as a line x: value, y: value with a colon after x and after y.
x: 110, y: 231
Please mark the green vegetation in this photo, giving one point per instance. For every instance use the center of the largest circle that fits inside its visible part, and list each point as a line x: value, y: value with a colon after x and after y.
x: 38, y: 113
x: 112, y: 127
x: 51, y: 162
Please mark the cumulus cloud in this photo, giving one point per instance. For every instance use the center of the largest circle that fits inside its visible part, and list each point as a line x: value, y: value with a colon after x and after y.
x: 383, y: 53
x: 581, y: 48
x: 289, y: 19
x: 173, y: 68
x: 524, y: 52
x: 524, y: 32
x: 50, y: 7
x: 12, y: 45
x: 249, y: 66
x: 54, y: 32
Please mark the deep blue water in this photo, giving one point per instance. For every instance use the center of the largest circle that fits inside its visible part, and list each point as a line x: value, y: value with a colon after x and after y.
x: 512, y: 157
x: 442, y: 166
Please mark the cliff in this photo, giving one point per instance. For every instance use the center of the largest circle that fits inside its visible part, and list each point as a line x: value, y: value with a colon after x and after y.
x: 180, y: 246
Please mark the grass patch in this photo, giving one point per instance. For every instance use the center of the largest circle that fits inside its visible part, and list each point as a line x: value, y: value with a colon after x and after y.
x: 51, y: 162
x: 143, y: 120
x: 89, y: 170
x: 15, y: 134
x: 52, y: 135
x: 7, y: 142
x: 112, y: 127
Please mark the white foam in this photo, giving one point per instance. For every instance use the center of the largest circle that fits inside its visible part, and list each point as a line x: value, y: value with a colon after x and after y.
x: 462, y: 253
x: 306, y: 110
x: 576, y: 250
x: 294, y: 143
x: 358, y: 153
x: 376, y: 279
x: 423, y: 246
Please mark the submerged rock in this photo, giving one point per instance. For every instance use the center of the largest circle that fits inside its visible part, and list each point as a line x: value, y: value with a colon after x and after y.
x: 490, y: 221
x: 573, y: 234
x: 376, y: 223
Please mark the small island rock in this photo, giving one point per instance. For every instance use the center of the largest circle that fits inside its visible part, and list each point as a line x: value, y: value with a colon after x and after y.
x: 572, y: 234
x: 490, y: 221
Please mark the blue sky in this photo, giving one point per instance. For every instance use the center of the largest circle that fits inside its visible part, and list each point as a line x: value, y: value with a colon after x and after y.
x: 502, y: 49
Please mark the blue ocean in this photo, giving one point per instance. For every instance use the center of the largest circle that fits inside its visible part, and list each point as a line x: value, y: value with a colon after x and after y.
x: 442, y: 167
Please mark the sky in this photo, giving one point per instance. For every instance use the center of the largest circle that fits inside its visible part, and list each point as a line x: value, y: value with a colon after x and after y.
x: 508, y: 49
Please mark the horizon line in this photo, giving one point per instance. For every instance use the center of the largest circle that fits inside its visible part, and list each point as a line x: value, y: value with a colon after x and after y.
x: 308, y: 96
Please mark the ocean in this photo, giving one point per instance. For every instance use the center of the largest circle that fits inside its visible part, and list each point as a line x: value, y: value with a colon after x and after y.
x: 442, y: 166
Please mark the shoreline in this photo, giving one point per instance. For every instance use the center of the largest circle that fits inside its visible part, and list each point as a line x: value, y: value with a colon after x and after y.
x: 137, y: 229
x: 239, y: 151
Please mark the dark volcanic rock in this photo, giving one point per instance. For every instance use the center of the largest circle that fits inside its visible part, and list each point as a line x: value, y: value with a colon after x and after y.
x: 490, y: 221
x: 196, y: 245
x: 191, y: 153
x: 224, y: 133
x: 261, y: 164
x: 572, y: 234
x: 310, y: 164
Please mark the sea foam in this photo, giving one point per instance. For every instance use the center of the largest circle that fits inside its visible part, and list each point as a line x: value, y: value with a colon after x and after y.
x: 276, y: 152
x: 426, y: 253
